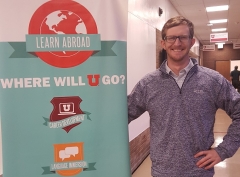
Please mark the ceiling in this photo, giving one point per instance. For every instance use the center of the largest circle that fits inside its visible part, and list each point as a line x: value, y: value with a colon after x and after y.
x: 195, y: 10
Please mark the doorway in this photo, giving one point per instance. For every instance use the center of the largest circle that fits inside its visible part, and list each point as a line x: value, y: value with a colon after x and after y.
x: 223, y: 67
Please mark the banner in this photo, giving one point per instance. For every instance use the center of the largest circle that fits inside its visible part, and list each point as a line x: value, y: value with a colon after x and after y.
x: 209, y: 47
x: 63, y: 89
x: 236, y: 45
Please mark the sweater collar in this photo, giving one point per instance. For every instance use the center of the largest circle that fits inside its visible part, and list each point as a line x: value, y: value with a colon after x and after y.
x: 167, y: 69
x: 186, y: 69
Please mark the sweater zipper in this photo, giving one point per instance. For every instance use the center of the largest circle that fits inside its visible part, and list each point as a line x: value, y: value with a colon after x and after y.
x: 180, y: 89
x: 176, y: 82
x: 185, y: 79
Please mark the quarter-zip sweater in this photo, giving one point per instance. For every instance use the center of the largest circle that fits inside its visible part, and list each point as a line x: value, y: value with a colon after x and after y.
x: 182, y: 119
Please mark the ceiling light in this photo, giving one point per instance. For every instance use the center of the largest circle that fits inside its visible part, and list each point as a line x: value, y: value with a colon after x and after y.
x: 218, y: 21
x: 219, y: 29
x: 217, y: 8
x: 209, y: 24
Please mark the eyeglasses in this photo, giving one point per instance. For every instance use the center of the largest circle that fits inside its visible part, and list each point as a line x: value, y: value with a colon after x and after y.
x: 172, y: 39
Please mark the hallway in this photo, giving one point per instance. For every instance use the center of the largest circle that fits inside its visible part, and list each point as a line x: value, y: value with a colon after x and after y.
x: 228, y: 168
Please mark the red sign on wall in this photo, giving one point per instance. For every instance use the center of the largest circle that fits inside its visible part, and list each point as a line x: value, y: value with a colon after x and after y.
x: 218, y: 37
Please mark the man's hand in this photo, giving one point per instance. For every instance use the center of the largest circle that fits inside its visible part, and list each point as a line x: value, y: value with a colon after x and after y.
x: 211, y: 158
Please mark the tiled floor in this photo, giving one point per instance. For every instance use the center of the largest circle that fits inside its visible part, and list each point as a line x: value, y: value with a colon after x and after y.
x: 228, y: 168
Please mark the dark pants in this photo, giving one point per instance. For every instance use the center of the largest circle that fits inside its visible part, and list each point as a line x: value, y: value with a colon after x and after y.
x: 235, y: 84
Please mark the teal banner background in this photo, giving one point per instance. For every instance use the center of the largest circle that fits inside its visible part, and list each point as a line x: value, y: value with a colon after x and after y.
x: 28, y: 143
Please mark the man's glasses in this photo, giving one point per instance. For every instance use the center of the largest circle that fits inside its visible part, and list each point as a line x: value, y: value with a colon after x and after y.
x: 172, y: 39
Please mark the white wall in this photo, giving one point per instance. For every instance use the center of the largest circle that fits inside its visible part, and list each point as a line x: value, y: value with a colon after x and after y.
x: 234, y: 63
x: 195, y: 47
x: 141, y: 59
x: 143, y: 20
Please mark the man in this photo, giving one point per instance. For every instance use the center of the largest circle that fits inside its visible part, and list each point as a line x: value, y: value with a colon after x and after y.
x: 234, y: 75
x: 182, y: 98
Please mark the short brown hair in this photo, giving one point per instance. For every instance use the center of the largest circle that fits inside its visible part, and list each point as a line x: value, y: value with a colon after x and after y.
x: 176, y: 21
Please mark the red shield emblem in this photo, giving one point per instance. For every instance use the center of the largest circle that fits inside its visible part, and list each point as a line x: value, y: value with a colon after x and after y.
x: 65, y: 107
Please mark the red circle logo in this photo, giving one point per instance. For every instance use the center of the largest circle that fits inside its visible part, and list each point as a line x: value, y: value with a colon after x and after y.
x: 63, y: 17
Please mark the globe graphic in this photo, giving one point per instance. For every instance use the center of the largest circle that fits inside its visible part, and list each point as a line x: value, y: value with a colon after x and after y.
x: 63, y: 22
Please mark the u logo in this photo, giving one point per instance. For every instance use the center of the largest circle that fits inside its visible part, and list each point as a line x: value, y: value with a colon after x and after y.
x: 66, y: 107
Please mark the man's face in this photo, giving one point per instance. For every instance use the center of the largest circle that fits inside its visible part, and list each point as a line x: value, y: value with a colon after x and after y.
x: 177, y: 50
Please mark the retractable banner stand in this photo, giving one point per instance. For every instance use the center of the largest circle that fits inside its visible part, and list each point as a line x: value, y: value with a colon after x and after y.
x: 63, y: 88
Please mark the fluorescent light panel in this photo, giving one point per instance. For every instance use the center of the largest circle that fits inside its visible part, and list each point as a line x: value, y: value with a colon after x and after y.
x: 218, y: 21
x: 217, y: 8
x: 219, y: 29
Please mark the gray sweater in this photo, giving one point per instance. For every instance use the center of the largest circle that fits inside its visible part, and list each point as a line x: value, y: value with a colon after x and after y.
x: 182, y: 120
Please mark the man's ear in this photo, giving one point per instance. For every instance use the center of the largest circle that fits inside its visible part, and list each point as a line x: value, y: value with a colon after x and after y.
x: 163, y: 44
x: 192, y: 41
